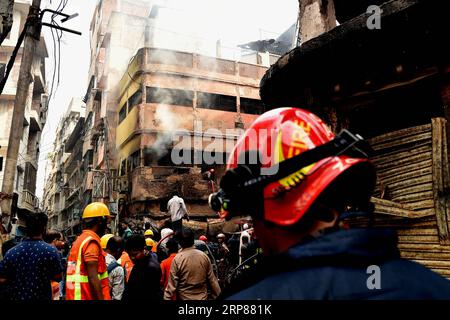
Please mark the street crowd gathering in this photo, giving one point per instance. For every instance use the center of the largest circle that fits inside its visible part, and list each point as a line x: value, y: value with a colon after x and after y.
x: 299, y: 246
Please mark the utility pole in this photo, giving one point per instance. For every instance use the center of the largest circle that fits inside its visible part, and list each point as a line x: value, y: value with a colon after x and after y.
x: 23, y: 85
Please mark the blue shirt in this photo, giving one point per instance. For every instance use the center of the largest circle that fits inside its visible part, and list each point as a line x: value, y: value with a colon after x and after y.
x: 29, y: 267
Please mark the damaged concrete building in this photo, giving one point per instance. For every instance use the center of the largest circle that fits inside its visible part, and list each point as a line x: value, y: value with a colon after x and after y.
x: 391, y: 85
x: 167, y: 95
x: 134, y: 88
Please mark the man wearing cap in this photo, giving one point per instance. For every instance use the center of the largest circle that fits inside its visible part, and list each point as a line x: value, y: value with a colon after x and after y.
x: 87, y: 275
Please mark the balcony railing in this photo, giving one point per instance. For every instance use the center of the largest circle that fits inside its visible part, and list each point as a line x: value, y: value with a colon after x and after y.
x: 30, y: 200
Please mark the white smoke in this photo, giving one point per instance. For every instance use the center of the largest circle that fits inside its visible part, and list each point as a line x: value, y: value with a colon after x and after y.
x: 168, y: 123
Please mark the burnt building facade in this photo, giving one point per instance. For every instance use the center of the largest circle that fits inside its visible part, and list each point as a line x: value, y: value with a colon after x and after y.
x: 178, y: 114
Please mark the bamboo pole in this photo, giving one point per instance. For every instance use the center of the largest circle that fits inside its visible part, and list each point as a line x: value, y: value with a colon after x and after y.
x: 439, y: 185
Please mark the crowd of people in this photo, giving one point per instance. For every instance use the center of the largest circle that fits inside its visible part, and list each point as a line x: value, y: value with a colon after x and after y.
x: 147, y: 265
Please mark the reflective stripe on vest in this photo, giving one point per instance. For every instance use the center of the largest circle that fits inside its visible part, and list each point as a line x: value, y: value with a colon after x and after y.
x: 77, y: 278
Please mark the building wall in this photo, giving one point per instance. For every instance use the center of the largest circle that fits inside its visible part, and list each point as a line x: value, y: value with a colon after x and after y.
x: 118, y: 31
x: 56, y: 187
x: 150, y: 115
x: 35, y: 112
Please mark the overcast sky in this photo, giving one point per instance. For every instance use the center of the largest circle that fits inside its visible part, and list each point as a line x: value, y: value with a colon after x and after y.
x: 232, y: 21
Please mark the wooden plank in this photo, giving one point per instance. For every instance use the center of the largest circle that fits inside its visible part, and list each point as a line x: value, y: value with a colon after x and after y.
x: 419, y: 232
x: 439, y: 187
x: 445, y: 273
x: 399, y: 164
x: 393, y: 157
x: 424, y: 212
x: 425, y: 255
x: 424, y: 247
x: 414, y: 197
x: 410, y: 181
x: 412, y: 190
x: 400, y: 134
x: 421, y: 205
x: 408, y: 140
x: 420, y: 162
x: 387, y: 207
x: 435, y: 264
x: 411, y: 239
x: 401, y: 224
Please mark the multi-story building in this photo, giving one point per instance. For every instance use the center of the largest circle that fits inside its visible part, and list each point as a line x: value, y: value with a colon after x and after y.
x: 24, y: 198
x: 62, y: 183
x: 129, y: 82
x: 117, y: 31
x: 173, y: 105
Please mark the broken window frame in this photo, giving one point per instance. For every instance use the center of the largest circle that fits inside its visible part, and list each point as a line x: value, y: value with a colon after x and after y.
x: 213, y: 101
x: 252, y: 106
x: 123, y: 113
x: 177, y: 97
x: 134, y: 100
x: 134, y: 160
x: 123, y: 167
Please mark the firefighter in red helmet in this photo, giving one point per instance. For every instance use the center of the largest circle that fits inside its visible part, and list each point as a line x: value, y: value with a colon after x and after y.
x: 298, y: 181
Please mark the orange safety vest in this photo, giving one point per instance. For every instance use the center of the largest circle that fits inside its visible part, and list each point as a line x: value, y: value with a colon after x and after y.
x: 77, y: 282
x: 126, y: 263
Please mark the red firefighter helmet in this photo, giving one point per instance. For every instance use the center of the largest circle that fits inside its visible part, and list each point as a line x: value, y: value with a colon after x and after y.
x: 203, y: 238
x: 283, y: 133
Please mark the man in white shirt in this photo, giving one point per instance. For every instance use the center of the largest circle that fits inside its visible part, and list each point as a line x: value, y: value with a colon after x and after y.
x: 243, y: 241
x: 178, y: 211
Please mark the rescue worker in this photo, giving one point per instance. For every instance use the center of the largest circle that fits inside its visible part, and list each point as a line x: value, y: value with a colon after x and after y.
x: 148, y: 234
x: 87, y: 275
x: 150, y: 246
x: 296, y: 195
x: 126, y: 263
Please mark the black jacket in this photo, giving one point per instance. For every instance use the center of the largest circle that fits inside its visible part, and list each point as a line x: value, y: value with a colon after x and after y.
x: 336, y: 266
x: 144, y: 281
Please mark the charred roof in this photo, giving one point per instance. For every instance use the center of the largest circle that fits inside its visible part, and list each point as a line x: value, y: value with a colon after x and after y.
x: 352, y: 58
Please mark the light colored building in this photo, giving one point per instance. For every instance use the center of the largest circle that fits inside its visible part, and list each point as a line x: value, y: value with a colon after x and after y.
x: 62, y: 183
x: 24, y: 198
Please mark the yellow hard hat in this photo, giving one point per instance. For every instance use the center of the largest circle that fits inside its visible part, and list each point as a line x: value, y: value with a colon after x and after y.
x: 150, y: 242
x: 148, y: 232
x: 104, y: 240
x: 96, y: 209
